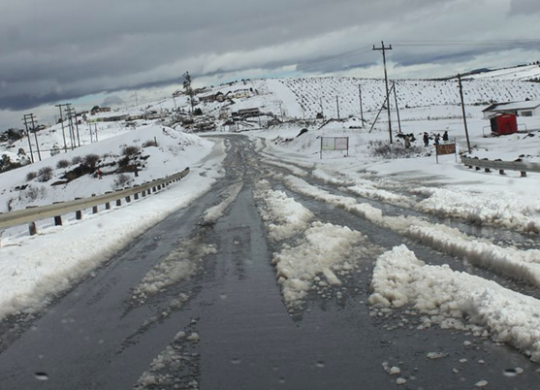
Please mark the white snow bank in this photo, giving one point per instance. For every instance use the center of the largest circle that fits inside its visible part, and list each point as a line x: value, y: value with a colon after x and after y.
x: 400, y: 279
x: 518, y: 264
x: 502, y: 209
x: 35, y: 268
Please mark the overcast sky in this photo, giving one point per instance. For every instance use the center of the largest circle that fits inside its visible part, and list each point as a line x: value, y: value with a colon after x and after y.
x: 61, y: 50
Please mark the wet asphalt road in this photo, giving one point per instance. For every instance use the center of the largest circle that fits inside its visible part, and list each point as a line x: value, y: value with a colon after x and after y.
x: 242, y: 336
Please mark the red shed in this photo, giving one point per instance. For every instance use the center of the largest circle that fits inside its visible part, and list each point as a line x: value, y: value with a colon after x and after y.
x: 504, y: 124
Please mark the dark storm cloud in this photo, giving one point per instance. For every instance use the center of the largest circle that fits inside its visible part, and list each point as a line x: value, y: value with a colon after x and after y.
x: 62, y: 49
x: 524, y: 7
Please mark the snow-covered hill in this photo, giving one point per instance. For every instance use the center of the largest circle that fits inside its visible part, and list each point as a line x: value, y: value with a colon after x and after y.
x: 520, y: 73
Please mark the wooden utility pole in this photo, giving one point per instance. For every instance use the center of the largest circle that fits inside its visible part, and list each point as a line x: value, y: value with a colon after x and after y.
x: 463, y: 111
x: 29, y: 141
x: 383, y: 50
x: 62, y: 122
x: 397, y: 107
x: 35, y: 135
x: 361, y: 107
x: 337, y: 106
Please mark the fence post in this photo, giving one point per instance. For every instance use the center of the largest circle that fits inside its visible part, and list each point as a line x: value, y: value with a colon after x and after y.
x: 58, y: 220
x: 32, y: 229
x: 78, y: 214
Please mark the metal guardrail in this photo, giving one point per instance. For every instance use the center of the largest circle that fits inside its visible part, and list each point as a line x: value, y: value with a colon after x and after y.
x: 501, y: 165
x: 56, y: 210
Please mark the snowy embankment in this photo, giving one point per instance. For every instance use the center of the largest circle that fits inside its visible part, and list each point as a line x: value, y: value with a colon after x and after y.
x: 35, y: 268
x: 449, y: 298
x: 319, y: 254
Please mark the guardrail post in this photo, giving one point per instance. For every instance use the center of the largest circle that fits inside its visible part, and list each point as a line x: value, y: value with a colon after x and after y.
x: 501, y: 171
x: 523, y: 174
x: 78, y: 214
x: 95, y: 210
x: 119, y: 202
x: 108, y: 206
x: 128, y: 198
x: 32, y: 229
x: 154, y: 189
x: 487, y: 170
x: 136, y: 196
x: 58, y: 220
x: 477, y: 168
x: 144, y: 193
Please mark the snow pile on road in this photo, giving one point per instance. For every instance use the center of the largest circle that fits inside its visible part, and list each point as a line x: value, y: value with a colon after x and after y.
x: 517, y: 264
x: 214, y: 213
x: 321, y: 251
x: 182, y: 263
x: 450, y: 297
x: 326, y: 250
x: 175, y: 367
x: 284, y: 216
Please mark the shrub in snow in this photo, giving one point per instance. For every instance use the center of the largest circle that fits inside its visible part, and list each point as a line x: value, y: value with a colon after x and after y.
x: 130, y: 150
x: 31, y: 194
x: 121, y: 181
x: 149, y: 143
x: 90, y: 160
x: 62, y: 164
x: 45, y: 174
x: 31, y: 176
x: 386, y: 150
x: 76, y: 160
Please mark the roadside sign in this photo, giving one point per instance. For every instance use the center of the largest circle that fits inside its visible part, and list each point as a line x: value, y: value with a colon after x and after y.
x: 335, y: 143
x: 443, y: 149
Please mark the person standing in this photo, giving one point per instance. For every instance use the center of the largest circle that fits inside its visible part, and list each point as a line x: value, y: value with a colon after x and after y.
x: 426, y: 139
x: 437, y: 139
x: 445, y: 136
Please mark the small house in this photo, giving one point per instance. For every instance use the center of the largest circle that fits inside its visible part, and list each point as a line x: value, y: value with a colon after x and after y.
x: 527, y: 108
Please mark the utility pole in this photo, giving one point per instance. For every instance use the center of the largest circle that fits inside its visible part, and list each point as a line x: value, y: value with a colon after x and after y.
x: 29, y: 142
x: 90, y: 131
x: 397, y: 107
x: 35, y: 135
x: 463, y: 111
x: 73, y: 118
x: 361, y: 107
x: 383, y: 49
x: 62, y: 122
x: 337, y: 106
x: 322, y: 110
x: 95, y: 124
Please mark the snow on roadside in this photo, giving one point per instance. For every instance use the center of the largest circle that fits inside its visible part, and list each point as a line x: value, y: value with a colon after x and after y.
x: 284, y: 216
x: 498, y: 209
x: 35, y: 268
x: 448, y: 296
x: 510, y: 262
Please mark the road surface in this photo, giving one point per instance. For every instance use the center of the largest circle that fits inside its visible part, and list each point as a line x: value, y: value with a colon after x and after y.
x: 194, y: 303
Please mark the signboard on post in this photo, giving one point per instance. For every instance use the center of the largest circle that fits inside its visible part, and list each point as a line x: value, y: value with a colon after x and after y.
x: 335, y: 143
x: 445, y: 149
